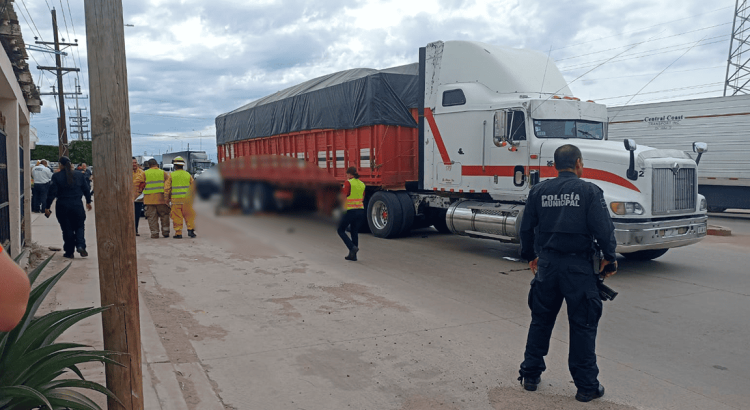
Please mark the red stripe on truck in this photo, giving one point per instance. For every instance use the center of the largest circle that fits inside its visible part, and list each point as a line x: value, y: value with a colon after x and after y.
x: 438, y: 138
x: 546, y: 172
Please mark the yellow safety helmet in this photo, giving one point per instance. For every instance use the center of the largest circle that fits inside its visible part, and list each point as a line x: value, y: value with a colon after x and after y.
x: 178, y: 161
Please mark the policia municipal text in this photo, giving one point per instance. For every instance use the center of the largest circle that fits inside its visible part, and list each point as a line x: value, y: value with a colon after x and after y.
x: 568, y: 214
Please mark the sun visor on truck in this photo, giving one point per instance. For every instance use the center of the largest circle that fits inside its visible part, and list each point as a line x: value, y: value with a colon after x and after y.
x: 344, y: 100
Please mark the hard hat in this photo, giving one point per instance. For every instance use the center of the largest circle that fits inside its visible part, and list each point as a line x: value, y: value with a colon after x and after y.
x: 178, y: 161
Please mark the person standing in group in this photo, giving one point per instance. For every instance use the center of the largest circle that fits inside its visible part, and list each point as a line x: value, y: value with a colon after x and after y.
x: 354, y: 194
x: 180, y: 190
x: 155, y: 199
x: 569, y: 214
x: 86, y: 174
x: 139, y: 184
x: 42, y: 177
x: 68, y: 187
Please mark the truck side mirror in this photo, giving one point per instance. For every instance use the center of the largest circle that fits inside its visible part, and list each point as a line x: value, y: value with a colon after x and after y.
x: 631, y: 146
x: 700, y: 148
x: 500, y: 124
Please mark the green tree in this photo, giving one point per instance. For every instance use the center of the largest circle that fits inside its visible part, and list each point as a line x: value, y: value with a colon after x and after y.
x: 79, y: 151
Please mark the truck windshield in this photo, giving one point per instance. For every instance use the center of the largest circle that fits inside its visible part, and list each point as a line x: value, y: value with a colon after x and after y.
x: 569, y: 129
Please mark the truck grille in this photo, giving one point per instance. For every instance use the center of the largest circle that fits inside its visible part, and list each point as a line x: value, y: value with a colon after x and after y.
x: 673, y: 192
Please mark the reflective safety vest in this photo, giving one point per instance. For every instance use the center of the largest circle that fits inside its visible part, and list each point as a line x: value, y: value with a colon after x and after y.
x: 355, y: 200
x: 154, y: 181
x: 180, y: 186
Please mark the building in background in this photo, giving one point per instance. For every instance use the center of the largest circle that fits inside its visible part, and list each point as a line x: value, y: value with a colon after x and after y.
x: 19, y: 98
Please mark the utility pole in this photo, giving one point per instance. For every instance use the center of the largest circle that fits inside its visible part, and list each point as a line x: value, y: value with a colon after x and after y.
x: 78, y: 122
x: 62, y: 134
x: 115, y: 227
x: 738, y: 63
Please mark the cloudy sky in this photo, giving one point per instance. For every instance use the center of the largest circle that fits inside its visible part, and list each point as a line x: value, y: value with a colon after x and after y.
x: 191, y: 60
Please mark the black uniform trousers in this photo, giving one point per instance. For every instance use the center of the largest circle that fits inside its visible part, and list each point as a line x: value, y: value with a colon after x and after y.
x: 39, y: 197
x: 570, y: 278
x: 71, y: 217
x: 138, y: 211
x: 353, y: 218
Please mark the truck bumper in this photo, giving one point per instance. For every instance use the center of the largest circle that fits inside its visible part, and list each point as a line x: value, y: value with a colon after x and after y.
x: 632, y: 237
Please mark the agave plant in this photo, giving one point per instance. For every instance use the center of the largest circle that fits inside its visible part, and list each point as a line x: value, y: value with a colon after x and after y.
x: 31, y: 363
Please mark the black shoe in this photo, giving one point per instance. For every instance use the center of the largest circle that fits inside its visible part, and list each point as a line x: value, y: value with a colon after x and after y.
x: 191, y: 233
x: 166, y: 235
x: 530, y: 384
x: 82, y: 251
x: 352, y: 254
x: 178, y: 236
x: 137, y: 234
x: 588, y: 396
x: 68, y: 255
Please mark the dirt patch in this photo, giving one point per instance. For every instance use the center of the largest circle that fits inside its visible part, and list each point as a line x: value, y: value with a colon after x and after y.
x: 188, y: 390
x: 420, y: 402
x: 343, y: 368
x: 287, y: 309
x: 37, y: 255
x: 515, y: 398
x: 352, y: 294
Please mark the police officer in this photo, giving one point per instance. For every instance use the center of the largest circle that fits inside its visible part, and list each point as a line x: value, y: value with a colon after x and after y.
x: 562, y: 219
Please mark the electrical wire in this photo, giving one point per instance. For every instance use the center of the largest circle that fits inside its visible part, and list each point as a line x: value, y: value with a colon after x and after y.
x: 644, y: 28
x: 649, y: 74
x: 692, y: 87
x: 171, y: 116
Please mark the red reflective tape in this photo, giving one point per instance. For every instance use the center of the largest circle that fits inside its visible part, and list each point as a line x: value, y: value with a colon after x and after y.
x: 590, y: 173
x: 476, y: 171
x: 438, y: 138
x: 434, y: 189
x: 451, y: 190
x: 471, y: 191
x: 484, y: 191
x: 461, y: 191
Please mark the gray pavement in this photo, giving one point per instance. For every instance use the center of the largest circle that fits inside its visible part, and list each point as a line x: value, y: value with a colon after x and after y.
x: 263, y: 312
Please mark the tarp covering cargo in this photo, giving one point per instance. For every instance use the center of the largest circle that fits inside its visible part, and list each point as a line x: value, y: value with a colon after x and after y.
x: 344, y: 100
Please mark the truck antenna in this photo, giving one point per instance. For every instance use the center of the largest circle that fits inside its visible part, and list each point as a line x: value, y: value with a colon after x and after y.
x: 579, y: 77
x: 545, y: 71
x: 651, y: 80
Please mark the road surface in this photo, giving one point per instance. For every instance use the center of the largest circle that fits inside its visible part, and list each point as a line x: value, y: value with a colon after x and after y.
x: 267, y: 311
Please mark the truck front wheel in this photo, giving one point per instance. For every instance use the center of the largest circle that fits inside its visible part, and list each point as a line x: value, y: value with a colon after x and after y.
x: 384, y: 215
x: 646, y: 255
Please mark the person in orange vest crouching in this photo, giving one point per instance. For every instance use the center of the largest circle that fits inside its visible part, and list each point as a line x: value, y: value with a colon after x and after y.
x: 180, y: 188
x: 155, y: 199
x: 354, y: 192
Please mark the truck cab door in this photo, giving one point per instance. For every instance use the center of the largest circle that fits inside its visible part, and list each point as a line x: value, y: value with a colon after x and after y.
x: 509, y: 152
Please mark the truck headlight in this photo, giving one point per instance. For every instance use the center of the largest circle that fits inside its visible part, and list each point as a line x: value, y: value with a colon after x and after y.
x: 626, y: 208
x: 704, y: 204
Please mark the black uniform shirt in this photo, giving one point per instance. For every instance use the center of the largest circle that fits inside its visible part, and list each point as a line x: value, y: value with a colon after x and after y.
x: 63, y: 192
x: 569, y: 214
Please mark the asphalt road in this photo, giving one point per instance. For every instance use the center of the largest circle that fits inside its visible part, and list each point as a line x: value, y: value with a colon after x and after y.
x: 277, y: 319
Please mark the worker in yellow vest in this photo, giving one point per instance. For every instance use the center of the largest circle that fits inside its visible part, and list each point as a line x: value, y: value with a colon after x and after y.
x: 354, y: 192
x: 156, y: 199
x: 181, y: 194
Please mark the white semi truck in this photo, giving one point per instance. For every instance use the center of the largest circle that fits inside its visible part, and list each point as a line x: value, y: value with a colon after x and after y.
x: 722, y: 122
x: 493, y: 119
x: 456, y: 141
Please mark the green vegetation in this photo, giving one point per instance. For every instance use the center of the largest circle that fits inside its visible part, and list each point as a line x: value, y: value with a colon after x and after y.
x: 80, y: 151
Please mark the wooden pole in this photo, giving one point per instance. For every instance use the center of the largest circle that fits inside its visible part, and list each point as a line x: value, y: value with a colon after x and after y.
x: 115, y: 226
x: 62, y: 129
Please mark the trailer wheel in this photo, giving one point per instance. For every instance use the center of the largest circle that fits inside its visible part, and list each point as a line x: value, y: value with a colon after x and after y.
x: 645, y: 255
x: 263, y: 200
x: 384, y: 215
x: 439, y: 222
x: 407, y: 210
x: 246, y: 197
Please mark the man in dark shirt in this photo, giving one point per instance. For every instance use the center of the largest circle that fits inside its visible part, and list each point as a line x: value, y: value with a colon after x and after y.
x: 563, y: 217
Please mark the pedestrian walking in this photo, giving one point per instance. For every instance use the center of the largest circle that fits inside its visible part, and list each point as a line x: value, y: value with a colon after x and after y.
x: 354, y: 194
x: 568, y: 214
x: 139, y: 184
x: 42, y: 176
x: 14, y: 293
x: 180, y: 190
x: 155, y: 200
x: 68, y: 187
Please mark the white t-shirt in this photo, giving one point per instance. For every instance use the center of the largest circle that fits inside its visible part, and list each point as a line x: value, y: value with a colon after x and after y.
x: 41, y: 174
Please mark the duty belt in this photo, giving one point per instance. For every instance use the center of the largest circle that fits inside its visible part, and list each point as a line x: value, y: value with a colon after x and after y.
x: 584, y: 255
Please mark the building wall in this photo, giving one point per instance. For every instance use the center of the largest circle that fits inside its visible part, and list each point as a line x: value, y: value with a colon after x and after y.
x: 17, y: 118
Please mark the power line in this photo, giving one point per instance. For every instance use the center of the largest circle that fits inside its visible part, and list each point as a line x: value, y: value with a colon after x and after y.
x: 692, y: 87
x: 656, y: 39
x: 72, y: 24
x: 644, y: 28
x: 171, y: 116
x: 649, y: 74
x: 671, y: 97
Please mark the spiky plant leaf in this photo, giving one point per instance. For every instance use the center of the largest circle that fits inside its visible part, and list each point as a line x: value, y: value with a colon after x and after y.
x: 64, y: 361
x: 24, y: 394
x: 72, y: 400
x: 38, y: 270
x: 81, y: 384
x: 18, y: 366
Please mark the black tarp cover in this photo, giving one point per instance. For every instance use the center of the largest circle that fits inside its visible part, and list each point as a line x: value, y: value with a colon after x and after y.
x: 344, y: 100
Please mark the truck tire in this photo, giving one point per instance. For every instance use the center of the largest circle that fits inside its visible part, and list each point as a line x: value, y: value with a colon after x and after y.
x: 439, y: 222
x: 246, y: 198
x: 263, y: 198
x: 646, y: 255
x: 407, y: 210
x: 384, y: 215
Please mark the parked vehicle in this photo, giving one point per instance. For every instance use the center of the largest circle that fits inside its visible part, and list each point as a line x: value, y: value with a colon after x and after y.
x: 194, y: 160
x: 455, y: 141
x: 722, y: 122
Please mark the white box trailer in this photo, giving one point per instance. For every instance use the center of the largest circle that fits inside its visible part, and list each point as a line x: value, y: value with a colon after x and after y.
x: 722, y: 122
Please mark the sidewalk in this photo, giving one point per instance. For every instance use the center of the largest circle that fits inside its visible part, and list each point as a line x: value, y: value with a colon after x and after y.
x: 164, y: 383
